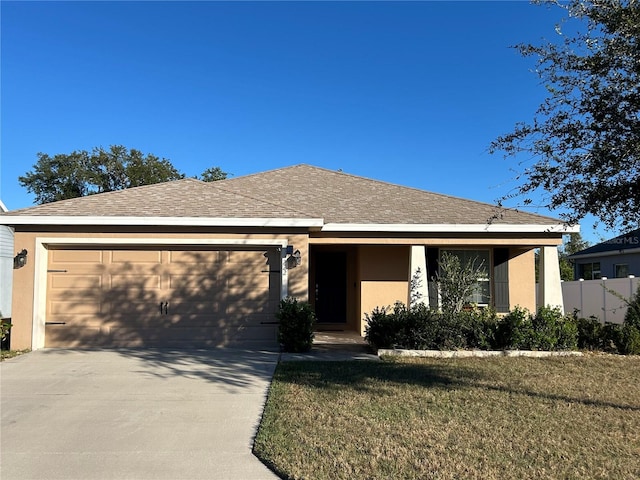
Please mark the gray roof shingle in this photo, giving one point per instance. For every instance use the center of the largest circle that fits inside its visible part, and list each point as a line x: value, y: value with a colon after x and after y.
x: 300, y: 191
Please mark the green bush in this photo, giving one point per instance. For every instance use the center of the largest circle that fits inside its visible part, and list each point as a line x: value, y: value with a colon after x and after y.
x: 296, y: 322
x: 382, y: 329
x: 514, y: 331
x: 5, y: 327
x: 421, y: 328
x: 590, y: 333
x: 632, y: 317
x: 630, y: 341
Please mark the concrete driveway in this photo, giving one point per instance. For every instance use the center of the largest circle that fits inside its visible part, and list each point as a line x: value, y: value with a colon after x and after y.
x: 133, y: 414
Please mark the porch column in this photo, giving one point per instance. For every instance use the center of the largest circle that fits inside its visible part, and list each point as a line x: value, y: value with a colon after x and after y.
x: 418, y: 272
x: 550, y: 287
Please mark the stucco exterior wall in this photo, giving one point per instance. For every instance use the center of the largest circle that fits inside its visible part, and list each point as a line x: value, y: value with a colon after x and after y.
x: 383, y: 277
x: 29, y: 281
x: 522, y: 286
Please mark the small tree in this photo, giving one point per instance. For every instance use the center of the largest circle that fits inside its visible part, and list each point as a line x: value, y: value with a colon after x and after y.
x: 415, y: 286
x: 457, y: 281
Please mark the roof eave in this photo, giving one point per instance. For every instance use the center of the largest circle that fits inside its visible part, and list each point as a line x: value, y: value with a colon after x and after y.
x: 161, y: 221
x: 606, y: 253
x: 451, y: 228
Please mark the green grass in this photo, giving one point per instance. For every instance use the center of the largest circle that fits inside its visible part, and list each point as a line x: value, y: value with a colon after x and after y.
x: 497, y: 418
x: 4, y: 354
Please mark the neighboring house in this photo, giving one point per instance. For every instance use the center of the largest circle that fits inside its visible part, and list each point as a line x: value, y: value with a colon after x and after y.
x: 6, y: 267
x: 618, y: 257
x: 189, y: 263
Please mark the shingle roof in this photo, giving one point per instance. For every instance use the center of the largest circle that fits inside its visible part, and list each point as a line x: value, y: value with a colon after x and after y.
x: 180, y: 198
x: 620, y: 243
x: 300, y: 191
x: 343, y: 198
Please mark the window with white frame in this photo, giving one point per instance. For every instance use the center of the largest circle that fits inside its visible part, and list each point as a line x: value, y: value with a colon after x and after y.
x: 478, y: 258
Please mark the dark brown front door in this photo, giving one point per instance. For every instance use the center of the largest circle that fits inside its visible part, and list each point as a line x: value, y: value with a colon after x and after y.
x: 331, y: 287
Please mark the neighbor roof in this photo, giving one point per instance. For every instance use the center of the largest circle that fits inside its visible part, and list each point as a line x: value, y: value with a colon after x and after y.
x: 619, y: 244
x: 302, y: 192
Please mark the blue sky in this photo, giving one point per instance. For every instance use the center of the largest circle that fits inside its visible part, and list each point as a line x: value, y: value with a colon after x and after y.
x: 406, y: 92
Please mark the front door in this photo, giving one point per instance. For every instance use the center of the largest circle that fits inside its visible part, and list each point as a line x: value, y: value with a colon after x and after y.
x: 331, y: 287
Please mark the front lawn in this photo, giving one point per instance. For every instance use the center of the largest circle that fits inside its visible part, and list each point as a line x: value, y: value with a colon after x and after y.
x: 491, y: 418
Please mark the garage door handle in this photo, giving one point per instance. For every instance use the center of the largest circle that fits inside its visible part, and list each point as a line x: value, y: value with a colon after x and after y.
x: 55, y: 323
x: 164, y: 308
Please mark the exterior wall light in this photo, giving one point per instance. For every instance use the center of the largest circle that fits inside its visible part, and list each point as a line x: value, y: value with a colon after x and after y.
x: 294, y: 259
x: 20, y: 260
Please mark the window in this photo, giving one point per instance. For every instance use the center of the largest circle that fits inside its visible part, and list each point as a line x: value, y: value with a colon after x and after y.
x: 482, y: 292
x: 621, y: 270
x: 589, y: 271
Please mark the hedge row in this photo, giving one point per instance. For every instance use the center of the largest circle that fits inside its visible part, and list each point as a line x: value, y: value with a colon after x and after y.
x: 420, y: 328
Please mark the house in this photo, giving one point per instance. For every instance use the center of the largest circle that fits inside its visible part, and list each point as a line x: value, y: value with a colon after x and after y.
x: 617, y: 257
x: 189, y: 263
x: 6, y: 267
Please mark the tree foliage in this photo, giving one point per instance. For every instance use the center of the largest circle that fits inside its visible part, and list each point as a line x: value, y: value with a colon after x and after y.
x: 457, y: 280
x: 213, y: 174
x: 81, y: 173
x: 573, y: 243
x: 584, y: 140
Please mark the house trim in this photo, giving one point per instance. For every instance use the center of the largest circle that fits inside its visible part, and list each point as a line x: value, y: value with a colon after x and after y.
x: 449, y: 228
x: 160, y: 221
x: 609, y: 253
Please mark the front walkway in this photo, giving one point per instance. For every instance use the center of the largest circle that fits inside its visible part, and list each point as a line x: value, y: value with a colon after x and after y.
x: 334, y: 346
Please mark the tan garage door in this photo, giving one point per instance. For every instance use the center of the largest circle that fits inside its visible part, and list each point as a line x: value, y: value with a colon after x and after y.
x: 165, y: 298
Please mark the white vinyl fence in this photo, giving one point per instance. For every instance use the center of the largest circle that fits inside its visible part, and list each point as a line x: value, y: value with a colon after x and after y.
x: 595, y: 297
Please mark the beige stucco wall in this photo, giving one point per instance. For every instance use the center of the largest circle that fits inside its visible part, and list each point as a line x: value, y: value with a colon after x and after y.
x: 383, y: 277
x: 522, y: 282
x: 27, y: 278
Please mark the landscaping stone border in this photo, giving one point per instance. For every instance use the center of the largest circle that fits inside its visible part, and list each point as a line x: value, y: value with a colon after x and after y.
x: 476, y: 353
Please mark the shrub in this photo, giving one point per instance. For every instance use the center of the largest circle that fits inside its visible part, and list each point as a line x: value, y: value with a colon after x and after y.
x: 381, y: 330
x: 296, y: 322
x: 611, y: 337
x: 421, y: 328
x: 5, y: 327
x: 514, y: 331
x: 630, y: 341
x: 567, y: 333
x: 632, y: 317
x: 590, y: 333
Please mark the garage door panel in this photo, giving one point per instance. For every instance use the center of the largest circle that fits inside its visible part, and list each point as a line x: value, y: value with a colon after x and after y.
x: 246, y: 307
x: 136, y: 257
x: 245, y: 281
x: 138, y: 282
x: 129, y: 310
x: 76, y: 256
x: 61, y: 336
x: 72, y: 283
x: 194, y: 283
x: 246, y: 257
x: 137, y: 297
x: 194, y: 257
x: 78, y: 307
